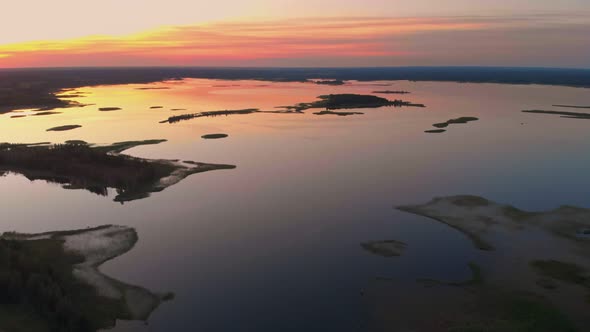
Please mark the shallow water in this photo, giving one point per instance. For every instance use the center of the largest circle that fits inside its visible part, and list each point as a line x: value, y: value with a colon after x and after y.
x: 275, y: 243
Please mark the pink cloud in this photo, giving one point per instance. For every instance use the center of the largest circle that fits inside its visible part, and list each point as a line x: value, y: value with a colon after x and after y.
x: 332, y: 41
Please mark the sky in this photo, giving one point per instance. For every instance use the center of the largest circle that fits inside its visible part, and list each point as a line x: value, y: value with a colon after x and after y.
x: 289, y: 33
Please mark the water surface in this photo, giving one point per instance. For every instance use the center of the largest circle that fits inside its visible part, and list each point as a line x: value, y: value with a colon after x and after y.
x: 275, y: 243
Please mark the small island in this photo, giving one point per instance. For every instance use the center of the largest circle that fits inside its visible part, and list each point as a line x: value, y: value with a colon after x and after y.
x: 570, y: 106
x: 46, y: 113
x: 53, y: 282
x: 184, y: 117
x: 153, y: 88
x: 347, y: 101
x: 569, y: 115
x: 64, y: 128
x: 337, y: 113
x: 78, y: 165
x: 392, y: 92
x: 435, y: 131
x: 328, y: 102
x: 214, y: 136
x: 330, y: 82
x: 461, y: 120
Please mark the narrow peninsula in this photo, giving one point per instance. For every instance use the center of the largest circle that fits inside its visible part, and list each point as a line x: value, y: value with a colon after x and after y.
x: 78, y: 165
x: 53, y: 282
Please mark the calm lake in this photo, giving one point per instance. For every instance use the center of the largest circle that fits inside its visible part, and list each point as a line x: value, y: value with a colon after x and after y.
x: 274, y: 245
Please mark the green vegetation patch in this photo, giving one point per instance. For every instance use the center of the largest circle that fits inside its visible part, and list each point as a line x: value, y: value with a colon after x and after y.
x: 79, y: 165
x: 38, y: 291
x: 495, y: 309
x: 504, y: 311
x: 562, y: 271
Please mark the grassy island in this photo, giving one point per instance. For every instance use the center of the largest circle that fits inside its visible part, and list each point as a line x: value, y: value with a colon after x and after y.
x: 347, y: 101
x: 328, y: 102
x: 214, y: 136
x: 77, y: 165
x: 463, y: 119
x: 330, y: 82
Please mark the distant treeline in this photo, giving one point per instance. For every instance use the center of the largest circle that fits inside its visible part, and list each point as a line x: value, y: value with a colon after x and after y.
x: 24, y: 87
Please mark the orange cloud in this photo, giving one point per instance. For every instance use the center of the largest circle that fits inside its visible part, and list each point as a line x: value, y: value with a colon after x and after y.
x: 215, y: 44
x: 329, y: 41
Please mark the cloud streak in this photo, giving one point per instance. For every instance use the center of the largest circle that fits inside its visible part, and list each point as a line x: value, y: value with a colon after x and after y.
x: 551, y: 40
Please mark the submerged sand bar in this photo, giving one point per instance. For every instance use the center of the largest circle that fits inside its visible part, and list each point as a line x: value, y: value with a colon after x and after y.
x: 532, y: 275
x: 479, y: 219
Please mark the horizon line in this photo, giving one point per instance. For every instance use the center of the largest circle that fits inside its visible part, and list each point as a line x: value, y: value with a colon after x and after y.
x: 292, y: 67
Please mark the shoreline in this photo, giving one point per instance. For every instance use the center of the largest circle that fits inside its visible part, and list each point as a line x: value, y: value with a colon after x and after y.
x: 93, y: 247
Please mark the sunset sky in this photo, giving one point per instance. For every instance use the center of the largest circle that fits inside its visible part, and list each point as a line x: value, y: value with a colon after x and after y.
x: 295, y: 33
